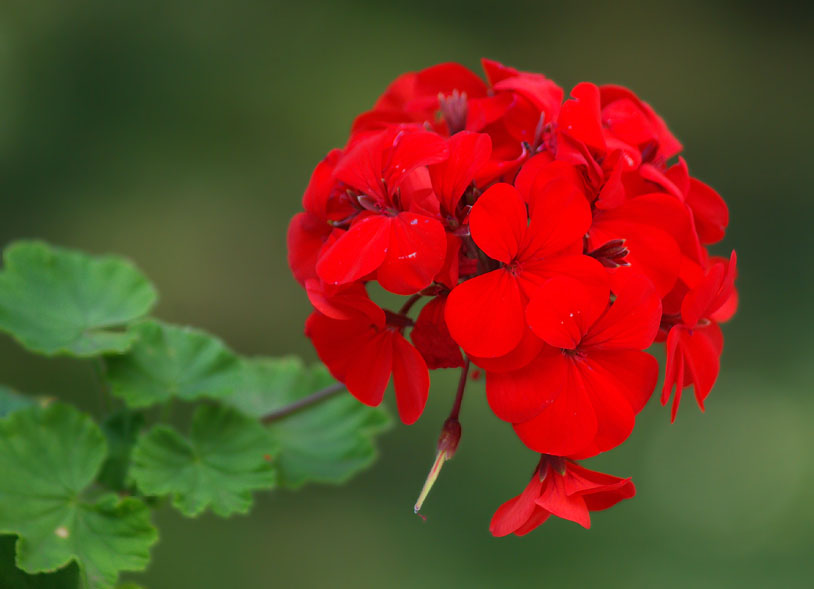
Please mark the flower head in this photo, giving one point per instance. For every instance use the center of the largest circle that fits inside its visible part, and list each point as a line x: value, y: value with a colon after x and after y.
x: 550, y: 238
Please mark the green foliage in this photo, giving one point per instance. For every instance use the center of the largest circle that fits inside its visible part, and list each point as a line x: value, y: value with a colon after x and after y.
x: 75, y: 497
x: 13, y: 578
x: 168, y: 361
x: 329, y: 442
x: 224, y: 459
x: 121, y: 430
x: 48, y: 458
x: 58, y: 301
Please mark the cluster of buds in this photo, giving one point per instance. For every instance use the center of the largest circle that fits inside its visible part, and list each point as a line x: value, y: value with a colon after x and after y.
x: 547, y: 240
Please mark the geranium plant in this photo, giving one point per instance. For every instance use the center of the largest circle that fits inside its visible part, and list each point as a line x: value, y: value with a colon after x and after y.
x: 542, y: 240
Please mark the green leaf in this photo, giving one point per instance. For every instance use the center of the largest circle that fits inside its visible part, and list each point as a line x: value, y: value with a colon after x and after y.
x: 47, y: 459
x: 13, y: 578
x: 59, y: 301
x: 169, y: 361
x: 12, y: 401
x: 225, y: 458
x: 121, y: 430
x: 328, y: 442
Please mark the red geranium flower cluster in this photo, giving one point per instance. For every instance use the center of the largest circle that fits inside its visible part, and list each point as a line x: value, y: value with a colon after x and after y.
x: 552, y: 241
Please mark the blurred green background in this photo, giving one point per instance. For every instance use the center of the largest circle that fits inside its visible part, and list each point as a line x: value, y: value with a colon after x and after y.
x: 182, y: 134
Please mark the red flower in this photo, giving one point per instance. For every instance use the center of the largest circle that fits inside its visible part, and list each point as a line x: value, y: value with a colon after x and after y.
x: 364, y: 350
x: 485, y: 314
x: 309, y: 230
x: 695, y: 341
x: 580, y: 395
x: 416, y: 97
x: 561, y: 488
x: 398, y: 234
x: 631, y: 124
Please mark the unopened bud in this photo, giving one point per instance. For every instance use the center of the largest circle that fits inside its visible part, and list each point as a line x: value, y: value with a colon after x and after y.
x: 447, y: 445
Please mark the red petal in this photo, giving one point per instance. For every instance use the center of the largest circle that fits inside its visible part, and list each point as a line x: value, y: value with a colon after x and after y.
x: 496, y: 71
x: 322, y: 182
x: 585, y: 269
x: 537, y: 518
x: 415, y: 255
x: 662, y: 211
x: 530, y: 345
x: 516, y: 511
x: 377, y: 164
x: 411, y: 150
x: 609, y: 392
x: 431, y: 337
x: 520, y: 395
x: 612, y: 193
x: 562, y: 311
x: 337, y: 342
x: 711, y: 293
x: 485, y: 111
x: 580, y: 116
x: 702, y: 351
x: 632, y: 321
x: 485, y: 314
x: 358, y: 252
x: 727, y: 310
x: 673, y: 369
x: 363, y: 164
x: 651, y: 251
x: 555, y: 499
x: 599, y: 490
x: 636, y: 373
x: 541, y: 92
x: 567, y: 425
x: 541, y: 166
x: 561, y: 216
x: 498, y: 222
x: 306, y: 235
x: 468, y: 152
x: 410, y: 379
x: 668, y: 144
x: 727, y: 288
x: 344, y: 303
x: 369, y: 370
x: 449, y: 273
x: 709, y: 210
x: 446, y: 77
x: 608, y: 498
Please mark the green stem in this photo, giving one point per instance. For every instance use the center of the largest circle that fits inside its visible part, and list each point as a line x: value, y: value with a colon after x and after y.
x: 99, y: 372
x: 311, y: 399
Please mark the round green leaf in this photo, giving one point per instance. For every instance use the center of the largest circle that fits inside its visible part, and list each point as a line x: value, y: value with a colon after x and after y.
x: 59, y: 301
x: 225, y: 458
x: 169, y: 361
x: 47, y: 459
x: 328, y: 442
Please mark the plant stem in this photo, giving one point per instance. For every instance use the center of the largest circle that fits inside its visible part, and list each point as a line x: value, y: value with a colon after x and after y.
x: 409, y: 304
x: 459, y: 396
x: 311, y: 399
x: 447, y: 441
x: 99, y: 371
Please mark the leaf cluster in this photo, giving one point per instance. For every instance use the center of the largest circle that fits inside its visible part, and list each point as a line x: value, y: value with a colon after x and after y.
x: 76, y: 490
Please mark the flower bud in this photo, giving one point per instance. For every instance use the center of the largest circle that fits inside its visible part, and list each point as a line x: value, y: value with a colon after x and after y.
x: 447, y: 445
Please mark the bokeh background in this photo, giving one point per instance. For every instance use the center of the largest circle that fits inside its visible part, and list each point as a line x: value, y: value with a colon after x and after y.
x: 181, y: 134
